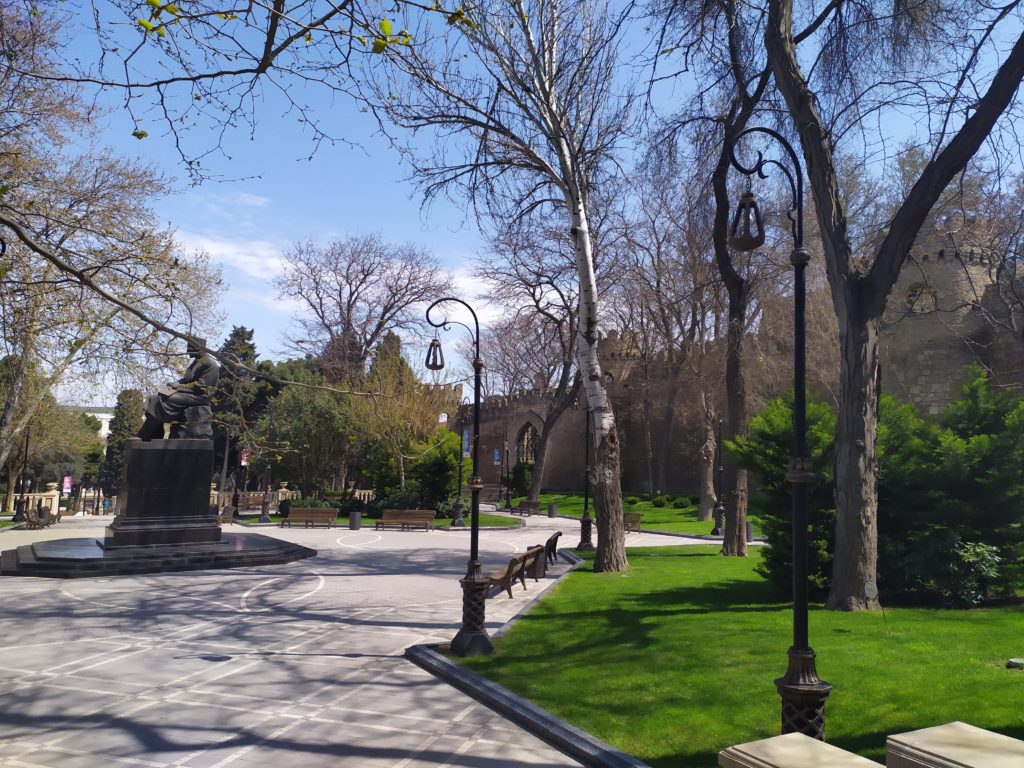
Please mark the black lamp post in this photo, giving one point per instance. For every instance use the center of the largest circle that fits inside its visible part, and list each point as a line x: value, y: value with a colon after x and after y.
x: 472, y: 639
x: 719, y: 529
x: 457, y: 521
x: 586, y: 524
x: 803, y: 692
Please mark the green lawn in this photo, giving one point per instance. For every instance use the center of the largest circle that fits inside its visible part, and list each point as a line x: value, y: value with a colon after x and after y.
x: 665, y: 518
x: 674, y: 661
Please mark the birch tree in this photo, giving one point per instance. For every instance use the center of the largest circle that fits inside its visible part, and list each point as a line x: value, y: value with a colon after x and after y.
x: 526, y: 109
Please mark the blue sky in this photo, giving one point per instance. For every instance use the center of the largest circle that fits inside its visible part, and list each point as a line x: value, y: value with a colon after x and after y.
x: 284, y: 197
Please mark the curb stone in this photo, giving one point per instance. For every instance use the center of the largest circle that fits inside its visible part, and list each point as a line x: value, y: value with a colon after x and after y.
x: 570, y: 740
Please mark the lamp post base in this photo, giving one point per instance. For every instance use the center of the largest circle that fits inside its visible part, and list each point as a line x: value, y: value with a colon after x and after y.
x: 457, y: 521
x: 719, y: 529
x: 586, y: 526
x: 472, y: 639
x: 803, y: 695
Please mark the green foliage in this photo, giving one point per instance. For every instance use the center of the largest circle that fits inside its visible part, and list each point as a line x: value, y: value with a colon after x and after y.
x: 681, y: 503
x: 949, y: 495
x: 659, y: 501
x: 766, y: 451
x: 304, y: 503
x: 433, y: 474
x: 126, y: 422
x: 521, y: 478
x: 631, y: 500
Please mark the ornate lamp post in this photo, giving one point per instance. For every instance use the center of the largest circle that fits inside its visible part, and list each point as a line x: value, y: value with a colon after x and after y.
x: 457, y: 521
x: 586, y: 524
x: 719, y: 529
x: 472, y: 639
x: 803, y: 692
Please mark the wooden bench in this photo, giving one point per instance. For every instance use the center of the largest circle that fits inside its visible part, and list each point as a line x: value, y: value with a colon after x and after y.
x: 536, y: 565
x: 311, y: 516
x: 631, y: 521
x: 551, y: 547
x: 532, y: 563
x: 526, y: 508
x: 406, y: 519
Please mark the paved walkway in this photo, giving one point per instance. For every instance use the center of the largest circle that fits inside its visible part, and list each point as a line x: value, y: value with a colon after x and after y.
x: 292, y: 665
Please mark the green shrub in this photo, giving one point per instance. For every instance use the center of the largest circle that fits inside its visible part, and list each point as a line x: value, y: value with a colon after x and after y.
x: 948, y: 496
x: 659, y: 501
x: 681, y: 503
x: 765, y: 450
x: 631, y: 500
x: 446, y: 507
x: 287, y: 504
x: 522, y: 477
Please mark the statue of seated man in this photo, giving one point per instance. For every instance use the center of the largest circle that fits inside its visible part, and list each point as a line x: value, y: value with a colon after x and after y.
x: 185, y: 405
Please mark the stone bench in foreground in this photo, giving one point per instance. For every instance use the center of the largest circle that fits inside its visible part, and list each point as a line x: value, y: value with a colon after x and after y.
x: 792, y: 750
x: 953, y: 745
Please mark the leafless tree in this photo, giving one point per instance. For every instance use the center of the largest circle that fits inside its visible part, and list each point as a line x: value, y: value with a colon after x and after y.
x: 720, y: 41
x: 531, y: 271
x: 948, y: 64
x: 528, y: 105
x: 354, y: 291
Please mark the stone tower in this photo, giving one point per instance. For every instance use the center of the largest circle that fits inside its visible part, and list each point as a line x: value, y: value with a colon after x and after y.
x: 942, y: 315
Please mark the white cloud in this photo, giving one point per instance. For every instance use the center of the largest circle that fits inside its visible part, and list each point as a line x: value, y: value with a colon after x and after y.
x: 256, y: 258
x: 250, y: 200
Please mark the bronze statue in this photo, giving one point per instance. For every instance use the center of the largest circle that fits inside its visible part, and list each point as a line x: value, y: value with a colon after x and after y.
x: 185, y: 405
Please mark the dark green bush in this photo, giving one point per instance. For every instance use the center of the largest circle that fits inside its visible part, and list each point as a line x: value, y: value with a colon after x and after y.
x: 522, y: 477
x: 631, y: 500
x: 949, y: 495
x: 446, y: 507
x: 659, y: 501
x: 287, y: 504
x: 681, y: 503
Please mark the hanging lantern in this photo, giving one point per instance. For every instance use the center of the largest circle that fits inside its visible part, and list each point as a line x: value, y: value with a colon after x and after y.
x: 747, y: 231
x: 435, y: 357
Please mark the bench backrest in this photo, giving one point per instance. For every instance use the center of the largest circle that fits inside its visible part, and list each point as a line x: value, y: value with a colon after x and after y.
x: 529, y: 504
x: 407, y: 514
x: 633, y: 517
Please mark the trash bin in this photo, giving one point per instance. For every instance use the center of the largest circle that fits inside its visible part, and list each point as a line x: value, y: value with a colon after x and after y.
x: 552, y: 510
x: 355, y: 520
x: 750, y: 531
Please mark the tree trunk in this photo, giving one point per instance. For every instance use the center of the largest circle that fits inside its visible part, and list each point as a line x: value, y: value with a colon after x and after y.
x: 611, y: 535
x: 562, y: 397
x: 856, y: 473
x: 648, y: 441
x: 735, y: 540
x: 708, y: 497
x: 608, y: 504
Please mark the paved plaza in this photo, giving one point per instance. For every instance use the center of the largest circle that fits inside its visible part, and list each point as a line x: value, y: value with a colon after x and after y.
x: 269, y: 667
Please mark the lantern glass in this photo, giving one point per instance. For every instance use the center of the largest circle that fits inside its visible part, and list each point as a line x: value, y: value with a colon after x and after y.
x: 747, y: 227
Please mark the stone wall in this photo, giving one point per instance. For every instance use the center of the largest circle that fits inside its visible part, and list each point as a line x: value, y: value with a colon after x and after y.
x: 938, y: 321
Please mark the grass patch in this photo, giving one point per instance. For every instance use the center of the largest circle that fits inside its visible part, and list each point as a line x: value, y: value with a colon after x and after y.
x: 665, y: 518
x: 674, y: 660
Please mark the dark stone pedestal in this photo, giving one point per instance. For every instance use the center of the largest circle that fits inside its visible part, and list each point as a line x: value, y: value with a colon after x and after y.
x: 165, y: 495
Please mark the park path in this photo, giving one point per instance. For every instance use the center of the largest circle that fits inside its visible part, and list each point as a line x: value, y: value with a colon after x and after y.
x: 271, y: 667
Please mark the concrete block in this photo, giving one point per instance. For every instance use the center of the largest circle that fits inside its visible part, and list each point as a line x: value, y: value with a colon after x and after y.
x: 953, y: 745
x: 792, y: 750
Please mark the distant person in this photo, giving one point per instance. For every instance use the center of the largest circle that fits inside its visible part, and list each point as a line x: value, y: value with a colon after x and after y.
x: 185, y: 405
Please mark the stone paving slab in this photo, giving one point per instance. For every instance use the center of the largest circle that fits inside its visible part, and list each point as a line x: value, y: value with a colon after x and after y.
x: 265, y: 667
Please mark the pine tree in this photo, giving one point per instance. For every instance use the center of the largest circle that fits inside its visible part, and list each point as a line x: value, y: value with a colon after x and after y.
x: 126, y: 422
